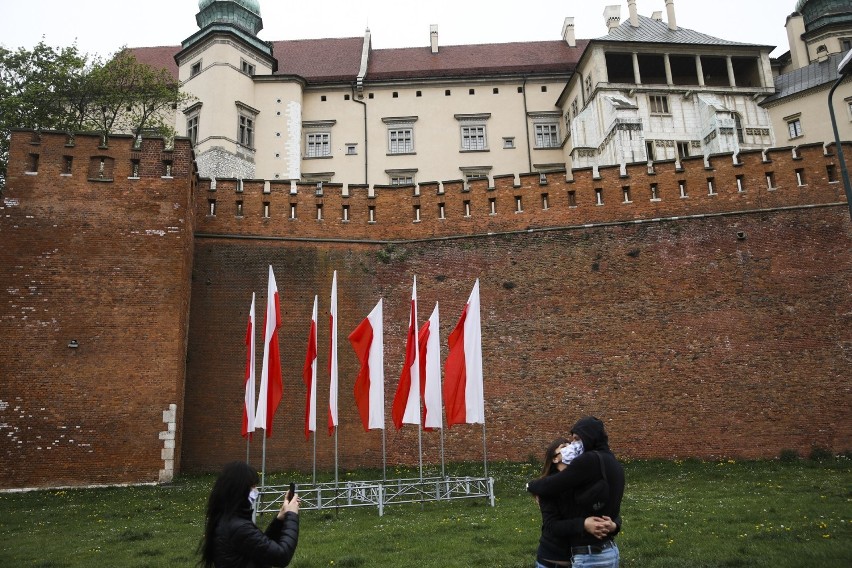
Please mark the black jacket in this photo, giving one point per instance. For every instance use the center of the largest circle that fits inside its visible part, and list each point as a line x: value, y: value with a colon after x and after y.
x: 581, y: 474
x: 240, y: 544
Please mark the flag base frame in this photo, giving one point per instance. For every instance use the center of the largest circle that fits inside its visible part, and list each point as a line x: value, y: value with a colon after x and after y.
x: 331, y: 495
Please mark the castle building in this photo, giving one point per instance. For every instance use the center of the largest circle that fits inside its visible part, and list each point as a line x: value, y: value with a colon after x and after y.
x: 337, y: 110
x: 820, y: 34
x: 650, y: 90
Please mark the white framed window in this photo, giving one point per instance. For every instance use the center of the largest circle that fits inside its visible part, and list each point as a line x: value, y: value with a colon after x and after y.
x: 400, y: 134
x: 401, y: 141
x: 547, y: 135
x: 509, y: 143
x: 682, y: 150
x: 658, y: 104
x: 402, y: 180
x: 195, y: 69
x: 246, y: 67
x: 245, y: 134
x: 473, y: 138
x: 575, y: 108
x: 318, y: 139
x: 794, y: 126
x: 317, y: 144
x: 473, y: 132
x: 245, y: 124
x: 192, y: 128
x: 351, y: 149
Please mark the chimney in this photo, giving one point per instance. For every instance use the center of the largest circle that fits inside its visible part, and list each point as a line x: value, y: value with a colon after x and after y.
x: 634, y: 16
x: 568, y: 32
x: 612, y: 17
x: 671, y: 15
x: 657, y: 16
x: 433, y: 37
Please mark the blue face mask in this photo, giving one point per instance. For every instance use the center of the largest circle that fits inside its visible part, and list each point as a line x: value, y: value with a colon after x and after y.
x: 252, y: 497
x: 571, y: 451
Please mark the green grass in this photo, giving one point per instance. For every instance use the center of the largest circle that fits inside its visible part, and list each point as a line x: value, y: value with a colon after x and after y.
x: 692, y: 514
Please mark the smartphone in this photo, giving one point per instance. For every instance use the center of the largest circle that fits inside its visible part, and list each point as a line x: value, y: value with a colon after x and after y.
x: 291, y: 492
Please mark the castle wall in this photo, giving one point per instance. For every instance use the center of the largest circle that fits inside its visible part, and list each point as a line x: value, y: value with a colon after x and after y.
x: 703, y: 325
x: 93, y: 319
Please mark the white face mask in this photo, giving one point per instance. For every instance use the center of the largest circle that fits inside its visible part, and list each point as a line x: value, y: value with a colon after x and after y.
x: 253, y: 496
x: 571, y: 451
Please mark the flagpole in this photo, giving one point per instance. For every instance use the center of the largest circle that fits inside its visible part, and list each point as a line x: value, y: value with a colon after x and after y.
x: 442, y: 453
x: 315, y: 459
x: 384, y: 458
x: 420, y: 449
x: 484, y: 450
x: 335, y: 457
x: 247, y: 450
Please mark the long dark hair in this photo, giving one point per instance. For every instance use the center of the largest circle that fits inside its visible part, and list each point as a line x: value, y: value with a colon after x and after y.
x: 229, y: 495
x: 549, y: 454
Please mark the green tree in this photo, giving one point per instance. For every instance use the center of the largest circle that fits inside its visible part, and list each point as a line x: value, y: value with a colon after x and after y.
x: 61, y: 89
x: 34, y: 87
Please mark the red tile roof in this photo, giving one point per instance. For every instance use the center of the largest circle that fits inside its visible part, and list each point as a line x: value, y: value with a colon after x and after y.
x: 475, y: 60
x: 319, y: 60
x: 339, y: 59
x: 162, y: 57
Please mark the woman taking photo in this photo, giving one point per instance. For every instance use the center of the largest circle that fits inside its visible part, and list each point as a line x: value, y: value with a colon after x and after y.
x: 231, y: 539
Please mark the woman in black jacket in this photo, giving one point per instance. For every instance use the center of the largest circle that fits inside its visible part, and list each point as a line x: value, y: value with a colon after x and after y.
x: 231, y: 539
x: 597, y: 475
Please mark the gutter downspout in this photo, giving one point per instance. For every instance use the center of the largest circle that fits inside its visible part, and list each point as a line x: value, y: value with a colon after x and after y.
x: 366, y: 154
x: 358, y: 94
x: 527, y: 124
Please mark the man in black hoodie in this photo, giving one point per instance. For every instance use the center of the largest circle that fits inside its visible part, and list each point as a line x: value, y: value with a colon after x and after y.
x: 596, y: 480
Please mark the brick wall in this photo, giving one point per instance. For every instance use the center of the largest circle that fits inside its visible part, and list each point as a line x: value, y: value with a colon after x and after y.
x: 703, y: 326
x: 92, y: 257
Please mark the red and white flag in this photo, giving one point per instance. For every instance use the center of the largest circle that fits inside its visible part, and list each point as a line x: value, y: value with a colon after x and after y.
x: 368, y: 342
x: 271, y: 388
x: 430, y: 371
x: 463, y: 392
x: 406, y: 402
x: 332, y: 358
x: 309, y: 374
x: 248, y: 402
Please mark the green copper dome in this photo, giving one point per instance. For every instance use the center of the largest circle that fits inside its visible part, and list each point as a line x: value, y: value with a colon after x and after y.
x: 242, y: 14
x: 251, y: 5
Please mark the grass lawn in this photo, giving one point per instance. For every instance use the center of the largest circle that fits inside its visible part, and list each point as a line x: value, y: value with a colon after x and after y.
x: 676, y: 514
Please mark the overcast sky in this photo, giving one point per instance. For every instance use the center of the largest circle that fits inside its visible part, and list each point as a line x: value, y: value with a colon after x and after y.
x: 102, y: 26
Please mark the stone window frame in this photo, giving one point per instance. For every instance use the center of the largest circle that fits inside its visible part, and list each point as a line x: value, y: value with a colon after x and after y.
x: 473, y: 132
x: 193, y: 113
x: 794, y: 126
x: 246, y: 125
x: 550, y: 121
x: 317, y: 134
x: 400, y: 134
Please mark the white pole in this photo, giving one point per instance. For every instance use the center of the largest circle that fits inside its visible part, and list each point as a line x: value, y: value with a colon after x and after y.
x: 420, y: 448
x: 335, y: 456
x: 315, y: 459
x: 442, y: 453
x: 484, y: 450
x: 384, y: 458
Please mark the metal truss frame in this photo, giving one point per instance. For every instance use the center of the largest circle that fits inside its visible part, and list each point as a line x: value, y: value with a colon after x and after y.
x: 321, y: 496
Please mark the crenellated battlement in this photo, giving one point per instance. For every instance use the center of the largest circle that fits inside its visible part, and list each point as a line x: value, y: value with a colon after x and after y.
x: 722, y: 184
x: 88, y: 156
x: 776, y: 178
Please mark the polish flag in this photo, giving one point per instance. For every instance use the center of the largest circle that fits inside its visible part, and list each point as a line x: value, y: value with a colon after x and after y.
x: 332, y: 358
x: 248, y: 406
x: 406, y: 402
x: 367, y: 341
x: 309, y: 374
x: 463, y: 391
x: 430, y: 371
x: 271, y: 387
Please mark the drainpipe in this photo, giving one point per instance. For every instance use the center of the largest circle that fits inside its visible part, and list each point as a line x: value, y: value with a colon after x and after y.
x: 527, y: 123
x: 366, y: 154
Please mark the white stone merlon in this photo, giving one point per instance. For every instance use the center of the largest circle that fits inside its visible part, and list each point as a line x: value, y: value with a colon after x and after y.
x: 167, y: 453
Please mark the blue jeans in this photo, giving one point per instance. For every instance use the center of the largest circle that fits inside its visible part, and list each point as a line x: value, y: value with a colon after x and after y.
x: 605, y: 559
